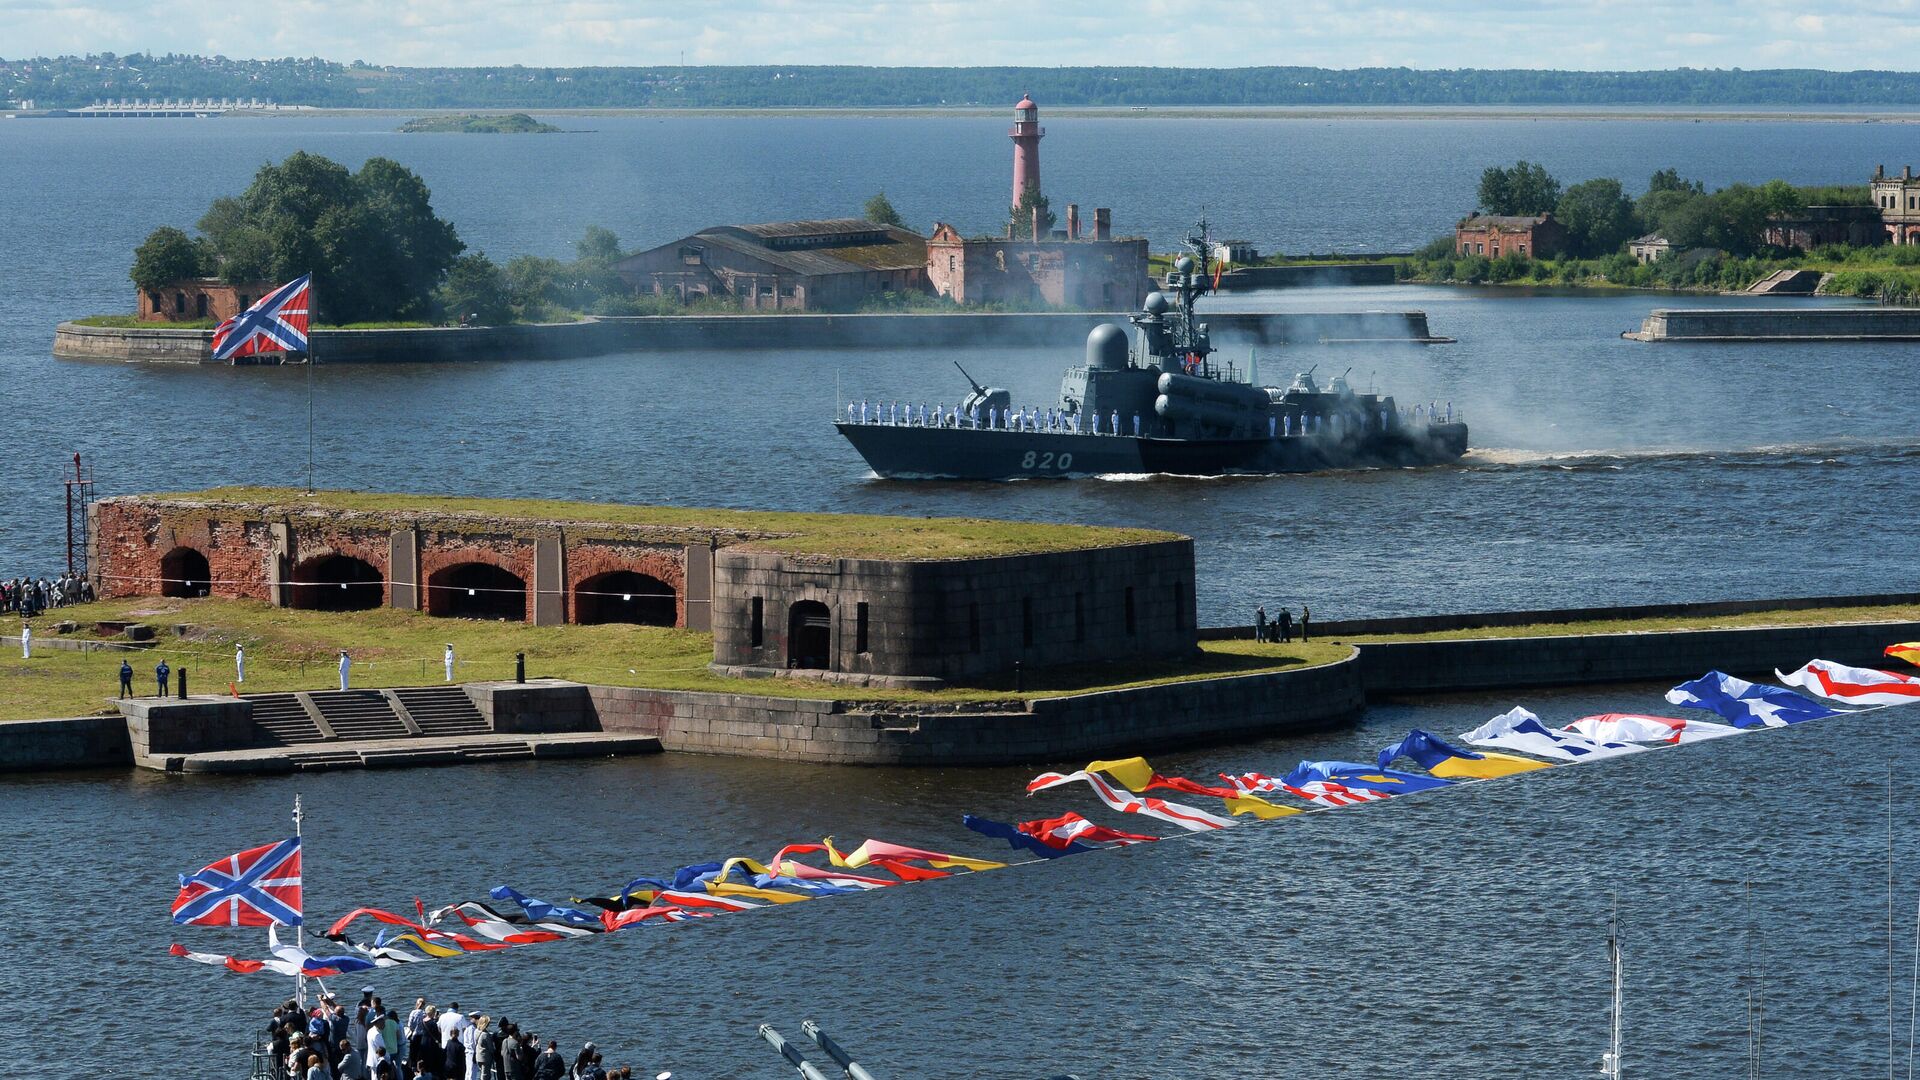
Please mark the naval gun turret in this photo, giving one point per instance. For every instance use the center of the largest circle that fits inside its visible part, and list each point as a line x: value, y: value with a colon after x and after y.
x: 981, y: 399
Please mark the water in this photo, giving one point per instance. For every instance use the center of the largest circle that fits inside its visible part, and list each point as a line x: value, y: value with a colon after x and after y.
x: 1457, y: 935
x: 1609, y: 470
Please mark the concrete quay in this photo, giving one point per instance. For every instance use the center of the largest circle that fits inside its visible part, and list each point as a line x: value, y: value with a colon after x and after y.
x: 600, y: 336
x: 1779, y: 324
x: 543, y: 719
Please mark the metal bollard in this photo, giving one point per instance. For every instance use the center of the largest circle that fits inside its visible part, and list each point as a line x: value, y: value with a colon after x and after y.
x: 519, y: 667
x: 855, y: 1071
x: 807, y: 1068
x: 182, y: 673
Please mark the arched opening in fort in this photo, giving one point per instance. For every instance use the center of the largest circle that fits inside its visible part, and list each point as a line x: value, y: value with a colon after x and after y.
x: 624, y: 596
x: 477, y: 591
x: 809, y: 635
x: 184, y: 572
x: 336, y: 583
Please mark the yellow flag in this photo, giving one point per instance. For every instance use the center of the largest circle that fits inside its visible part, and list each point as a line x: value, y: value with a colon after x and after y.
x: 1906, y: 650
x: 1486, y: 767
x: 1258, y: 807
x: 734, y: 888
x: 1132, y: 773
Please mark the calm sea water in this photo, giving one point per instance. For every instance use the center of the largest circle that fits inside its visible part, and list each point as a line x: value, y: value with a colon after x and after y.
x: 1452, y: 935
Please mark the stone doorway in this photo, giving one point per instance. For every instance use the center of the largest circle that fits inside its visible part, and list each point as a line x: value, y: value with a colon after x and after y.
x: 810, y: 635
x: 184, y: 572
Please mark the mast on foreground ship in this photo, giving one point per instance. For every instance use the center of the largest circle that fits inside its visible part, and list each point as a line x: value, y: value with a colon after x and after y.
x: 1159, y: 406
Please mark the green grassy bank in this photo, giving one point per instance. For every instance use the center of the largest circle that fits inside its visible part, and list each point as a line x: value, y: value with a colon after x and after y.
x: 298, y: 650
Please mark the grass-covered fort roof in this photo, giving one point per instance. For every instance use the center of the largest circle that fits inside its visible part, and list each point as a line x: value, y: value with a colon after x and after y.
x: 849, y: 536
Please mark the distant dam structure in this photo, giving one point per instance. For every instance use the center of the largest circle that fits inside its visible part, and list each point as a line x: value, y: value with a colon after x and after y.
x: 171, y: 108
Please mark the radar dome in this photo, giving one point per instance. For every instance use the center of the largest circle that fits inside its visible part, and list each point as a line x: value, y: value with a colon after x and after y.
x: 1184, y: 264
x: 1107, y: 348
x: 1156, y: 303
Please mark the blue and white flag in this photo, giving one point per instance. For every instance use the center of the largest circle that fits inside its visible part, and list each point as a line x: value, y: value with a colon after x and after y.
x: 1518, y: 729
x: 1746, y: 705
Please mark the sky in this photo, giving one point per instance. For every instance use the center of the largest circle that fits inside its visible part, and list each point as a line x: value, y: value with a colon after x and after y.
x: 1590, y: 35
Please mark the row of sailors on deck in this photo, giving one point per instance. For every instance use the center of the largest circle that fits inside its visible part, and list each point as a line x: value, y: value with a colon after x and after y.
x: 1060, y: 420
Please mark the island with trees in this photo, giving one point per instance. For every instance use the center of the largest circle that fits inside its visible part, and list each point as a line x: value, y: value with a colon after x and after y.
x: 479, y: 124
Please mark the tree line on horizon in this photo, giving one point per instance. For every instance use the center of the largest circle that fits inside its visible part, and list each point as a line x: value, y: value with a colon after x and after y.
x: 71, y: 81
x: 1600, y: 217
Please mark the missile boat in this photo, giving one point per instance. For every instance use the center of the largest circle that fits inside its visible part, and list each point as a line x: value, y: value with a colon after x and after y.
x: 1155, y: 403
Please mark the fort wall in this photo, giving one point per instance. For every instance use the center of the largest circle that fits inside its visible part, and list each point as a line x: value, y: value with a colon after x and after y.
x: 601, y: 336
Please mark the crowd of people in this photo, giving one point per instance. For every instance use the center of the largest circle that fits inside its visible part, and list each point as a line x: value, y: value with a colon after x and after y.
x: 28, y: 597
x: 371, y: 1041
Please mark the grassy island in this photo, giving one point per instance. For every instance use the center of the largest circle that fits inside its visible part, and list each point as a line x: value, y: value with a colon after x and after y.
x: 295, y: 650
x: 480, y: 124
x: 843, y: 536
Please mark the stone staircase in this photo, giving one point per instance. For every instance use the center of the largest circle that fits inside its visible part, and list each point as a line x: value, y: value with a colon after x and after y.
x: 280, y: 720
x: 327, y: 717
x: 359, y: 714
x: 442, y: 710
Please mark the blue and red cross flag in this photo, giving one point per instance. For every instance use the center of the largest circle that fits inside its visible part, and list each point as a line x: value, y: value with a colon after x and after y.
x: 256, y: 887
x: 278, y: 323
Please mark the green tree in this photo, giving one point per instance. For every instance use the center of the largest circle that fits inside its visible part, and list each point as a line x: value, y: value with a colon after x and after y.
x: 1598, y: 216
x: 166, y: 255
x: 880, y: 211
x: 371, y: 239
x: 1670, y: 180
x: 476, y: 291
x: 1524, y: 189
x: 1023, y: 211
x: 598, y: 244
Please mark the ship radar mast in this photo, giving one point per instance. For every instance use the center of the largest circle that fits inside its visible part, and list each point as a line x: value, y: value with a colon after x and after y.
x: 1175, y: 339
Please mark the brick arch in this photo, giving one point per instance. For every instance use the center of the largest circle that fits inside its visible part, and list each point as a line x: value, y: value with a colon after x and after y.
x: 185, y: 570
x: 443, y: 567
x: 587, y: 561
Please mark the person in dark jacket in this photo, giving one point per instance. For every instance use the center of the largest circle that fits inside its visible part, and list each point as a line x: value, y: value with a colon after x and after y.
x: 550, y: 1065
x: 453, y: 1059
x: 126, y: 679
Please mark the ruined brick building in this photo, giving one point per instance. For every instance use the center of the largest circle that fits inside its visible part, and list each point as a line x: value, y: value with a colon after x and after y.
x: 1103, y: 594
x: 785, y: 265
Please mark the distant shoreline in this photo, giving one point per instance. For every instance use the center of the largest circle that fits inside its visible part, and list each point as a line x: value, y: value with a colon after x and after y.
x: 1738, y: 114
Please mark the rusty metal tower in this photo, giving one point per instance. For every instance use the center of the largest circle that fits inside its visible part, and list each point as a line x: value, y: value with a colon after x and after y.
x: 79, y: 497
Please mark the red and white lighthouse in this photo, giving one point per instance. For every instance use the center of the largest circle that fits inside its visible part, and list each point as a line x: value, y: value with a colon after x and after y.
x: 1026, y: 135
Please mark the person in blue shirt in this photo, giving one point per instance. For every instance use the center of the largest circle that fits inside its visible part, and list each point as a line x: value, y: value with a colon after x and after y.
x: 126, y: 679
x: 160, y: 673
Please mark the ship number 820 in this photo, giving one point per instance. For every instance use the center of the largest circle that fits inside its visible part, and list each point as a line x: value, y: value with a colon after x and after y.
x: 1049, y: 460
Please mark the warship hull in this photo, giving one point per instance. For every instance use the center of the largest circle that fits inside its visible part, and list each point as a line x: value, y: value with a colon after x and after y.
x: 910, y: 452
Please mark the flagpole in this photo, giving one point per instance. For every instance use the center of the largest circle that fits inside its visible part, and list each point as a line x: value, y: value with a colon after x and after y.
x: 300, y: 931
x: 311, y: 337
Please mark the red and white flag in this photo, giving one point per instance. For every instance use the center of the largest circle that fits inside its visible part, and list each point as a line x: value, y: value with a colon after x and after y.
x: 1852, y: 685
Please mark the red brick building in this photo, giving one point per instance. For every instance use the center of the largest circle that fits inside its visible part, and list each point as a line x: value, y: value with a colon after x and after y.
x: 1531, y: 236
x: 199, y: 298
x: 452, y: 564
x: 1095, y: 273
x: 1855, y: 226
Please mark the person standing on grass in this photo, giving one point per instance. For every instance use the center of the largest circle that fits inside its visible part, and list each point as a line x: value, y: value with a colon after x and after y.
x: 239, y: 662
x: 1306, y: 616
x: 449, y: 661
x: 1260, y: 623
x: 1285, y: 623
x: 346, y: 666
x: 160, y: 673
x: 26, y: 641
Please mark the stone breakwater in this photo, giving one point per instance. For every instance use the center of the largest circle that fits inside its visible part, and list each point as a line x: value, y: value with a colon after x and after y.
x: 1780, y: 324
x: 599, y: 336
